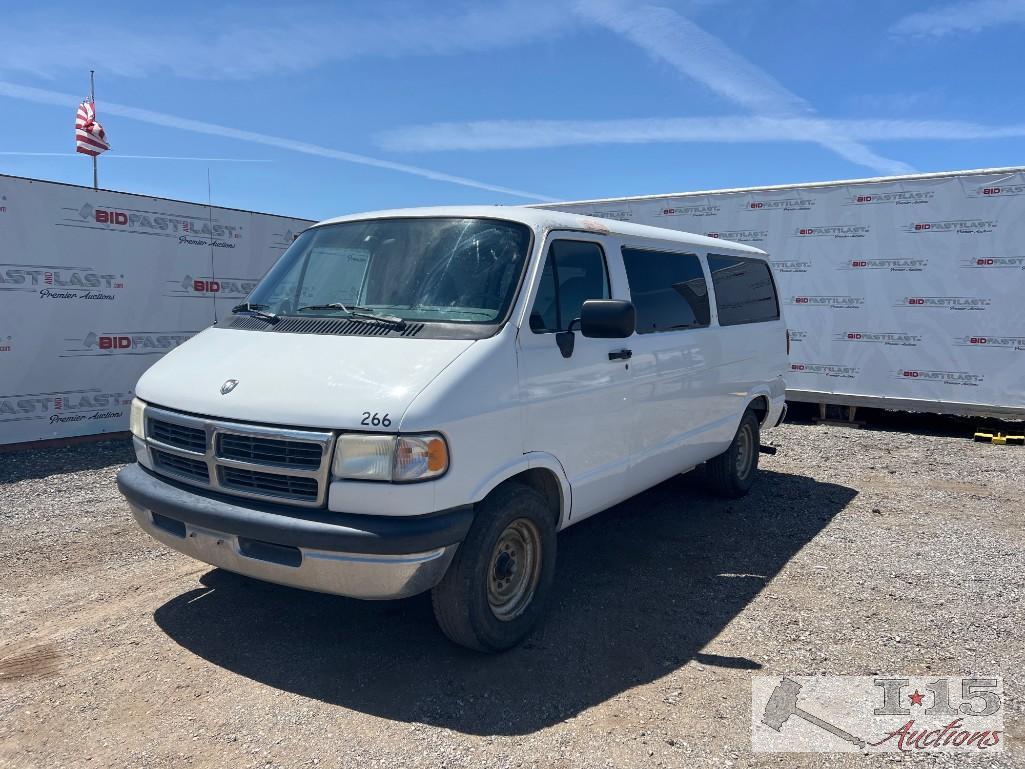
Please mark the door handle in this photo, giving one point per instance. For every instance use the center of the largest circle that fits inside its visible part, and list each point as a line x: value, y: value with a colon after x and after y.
x: 621, y: 354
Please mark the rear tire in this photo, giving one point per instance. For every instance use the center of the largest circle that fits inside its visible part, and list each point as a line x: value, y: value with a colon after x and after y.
x: 733, y: 472
x: 495, y: 589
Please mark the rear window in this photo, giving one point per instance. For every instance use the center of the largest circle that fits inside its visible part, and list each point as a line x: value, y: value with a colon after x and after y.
x: 668, y: 290
x: 744, y: 290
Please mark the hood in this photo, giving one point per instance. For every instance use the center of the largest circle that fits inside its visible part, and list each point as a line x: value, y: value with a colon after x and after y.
x: 297, y: 380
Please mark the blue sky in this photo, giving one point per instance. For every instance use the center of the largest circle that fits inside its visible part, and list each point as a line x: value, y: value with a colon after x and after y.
x: 317, y: 110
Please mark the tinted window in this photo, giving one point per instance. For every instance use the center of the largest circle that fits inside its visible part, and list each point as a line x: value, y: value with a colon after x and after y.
x: 574, y: 272
x: 668, y: 290
x: 744, y: 290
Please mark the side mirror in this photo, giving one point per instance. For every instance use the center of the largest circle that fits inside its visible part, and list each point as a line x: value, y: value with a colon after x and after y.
x: 607, y: 319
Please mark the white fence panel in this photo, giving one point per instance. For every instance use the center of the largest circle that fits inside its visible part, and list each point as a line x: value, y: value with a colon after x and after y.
x: 95, y: 286
x: 904, y: 292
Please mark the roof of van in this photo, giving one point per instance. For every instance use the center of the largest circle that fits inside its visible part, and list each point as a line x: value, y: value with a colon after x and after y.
x: 552, y: 220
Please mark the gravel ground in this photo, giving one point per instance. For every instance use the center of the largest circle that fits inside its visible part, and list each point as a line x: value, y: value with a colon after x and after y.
x: 858, y: 552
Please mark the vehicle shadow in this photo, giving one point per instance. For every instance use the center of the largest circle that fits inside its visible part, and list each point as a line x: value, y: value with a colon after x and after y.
x: 639, y: 591
x: 25, y: 464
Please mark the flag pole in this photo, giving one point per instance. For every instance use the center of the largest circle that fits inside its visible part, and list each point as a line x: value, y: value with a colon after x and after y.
x: 92, y: 96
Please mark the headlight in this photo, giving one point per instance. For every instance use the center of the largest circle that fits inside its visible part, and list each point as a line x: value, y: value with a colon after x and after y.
x: 418, y: 457
x: 390, y: 457
x: 365, y: 457
x: 137, y: 421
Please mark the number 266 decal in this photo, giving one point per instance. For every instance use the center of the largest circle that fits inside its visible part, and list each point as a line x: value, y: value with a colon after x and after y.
x: 376, y: 419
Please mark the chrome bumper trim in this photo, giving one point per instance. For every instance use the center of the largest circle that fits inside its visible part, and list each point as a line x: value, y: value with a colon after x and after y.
x: 357, y: 575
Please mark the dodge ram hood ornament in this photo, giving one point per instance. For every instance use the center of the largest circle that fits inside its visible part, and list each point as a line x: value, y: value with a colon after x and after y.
x: 228, y: 386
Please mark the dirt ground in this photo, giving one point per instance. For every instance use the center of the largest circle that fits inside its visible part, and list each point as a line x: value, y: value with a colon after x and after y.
x: 859, y: 552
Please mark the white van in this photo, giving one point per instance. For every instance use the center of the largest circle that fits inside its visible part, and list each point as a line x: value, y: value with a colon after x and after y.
x: 420, y: 399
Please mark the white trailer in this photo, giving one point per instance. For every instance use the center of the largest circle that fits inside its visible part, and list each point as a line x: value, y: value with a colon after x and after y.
x: 96, y: 285
x: 903, y: 292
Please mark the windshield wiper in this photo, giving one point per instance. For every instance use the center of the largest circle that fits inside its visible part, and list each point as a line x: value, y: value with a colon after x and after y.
x: 255, y: 310
x: 357, y: 311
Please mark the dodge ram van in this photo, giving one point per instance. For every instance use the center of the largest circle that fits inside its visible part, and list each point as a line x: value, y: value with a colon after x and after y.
x: 421, y: 399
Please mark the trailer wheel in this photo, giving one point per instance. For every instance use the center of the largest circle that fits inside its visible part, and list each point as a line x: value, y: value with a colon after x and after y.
x: 495, y: 589
x: 732, y: 473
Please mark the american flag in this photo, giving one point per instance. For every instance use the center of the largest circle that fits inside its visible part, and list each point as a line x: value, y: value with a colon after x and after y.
x: 90, y: 138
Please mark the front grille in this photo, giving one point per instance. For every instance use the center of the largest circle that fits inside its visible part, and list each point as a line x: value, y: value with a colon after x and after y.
x: 191, y: 438
x: 294, y: 486
x: 269, y: 451
x: 177, y: 465
x: 247, y: 460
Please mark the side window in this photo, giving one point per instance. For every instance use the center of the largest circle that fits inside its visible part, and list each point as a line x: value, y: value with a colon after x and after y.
x: 744, y: 290
x: 668, y: 290
x: 574, y: 272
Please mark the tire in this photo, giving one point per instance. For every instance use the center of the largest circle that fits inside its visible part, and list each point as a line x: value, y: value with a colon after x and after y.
x: 732, y: 473
x: 495, y: 588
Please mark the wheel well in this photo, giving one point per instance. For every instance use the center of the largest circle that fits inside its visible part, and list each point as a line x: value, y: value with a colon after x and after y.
x: 546, y: 483
x: 760, y: 406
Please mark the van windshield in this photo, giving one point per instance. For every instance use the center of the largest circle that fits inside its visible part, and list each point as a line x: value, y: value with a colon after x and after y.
x: 423, y: 269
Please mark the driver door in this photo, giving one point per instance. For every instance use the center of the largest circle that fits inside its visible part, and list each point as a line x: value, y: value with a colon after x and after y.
x: 576, y: 408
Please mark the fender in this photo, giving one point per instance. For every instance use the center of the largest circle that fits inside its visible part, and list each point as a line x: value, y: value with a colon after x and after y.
x: 775, y: 405
x: 532, y: 460
x: 756, y: 392
x: 774, y: 393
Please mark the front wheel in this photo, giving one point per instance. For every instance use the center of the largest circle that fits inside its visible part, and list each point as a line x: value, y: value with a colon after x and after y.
x: 495, y: 588
x: 733, y: 472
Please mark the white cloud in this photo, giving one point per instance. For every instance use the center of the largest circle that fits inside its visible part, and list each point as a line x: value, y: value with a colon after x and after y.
x: 536, y: 134
x: 965, y: 16
x: 667, y: 36
x: 41, y: 96
x: 290, y: 39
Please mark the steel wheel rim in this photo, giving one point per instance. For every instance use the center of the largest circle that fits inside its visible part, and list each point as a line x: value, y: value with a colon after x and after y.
x: 745, y: 449
x: 515, y: 569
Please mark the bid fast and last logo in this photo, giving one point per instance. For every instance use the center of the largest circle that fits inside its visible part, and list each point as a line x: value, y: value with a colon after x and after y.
x: 740, y: 236
x: 897, y: 198
x: 778, y: 204
x: 695, y: 210
x: 832, y: 301
x: 994, y: 262
x: 996, y: 190
x: 956, y: 378
x: 790, y: 265
x: 890, y: 265
x: 885, y: 338
x: 61, y: 282
x: 955, y: 303
x: 952, y: 226
x: 206, y: 286
x: 188, y: 230
x: 620, y: 215
x: 993, y: 342
x: 832, y: 370
x: 64, y: 406
x: 837, y: 231
x: 124, y: 343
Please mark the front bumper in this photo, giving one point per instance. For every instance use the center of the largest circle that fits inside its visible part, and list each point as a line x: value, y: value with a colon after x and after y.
x: 362, y: 556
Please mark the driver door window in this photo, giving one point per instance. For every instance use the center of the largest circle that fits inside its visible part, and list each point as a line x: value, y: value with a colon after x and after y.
x: 574, y: 272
